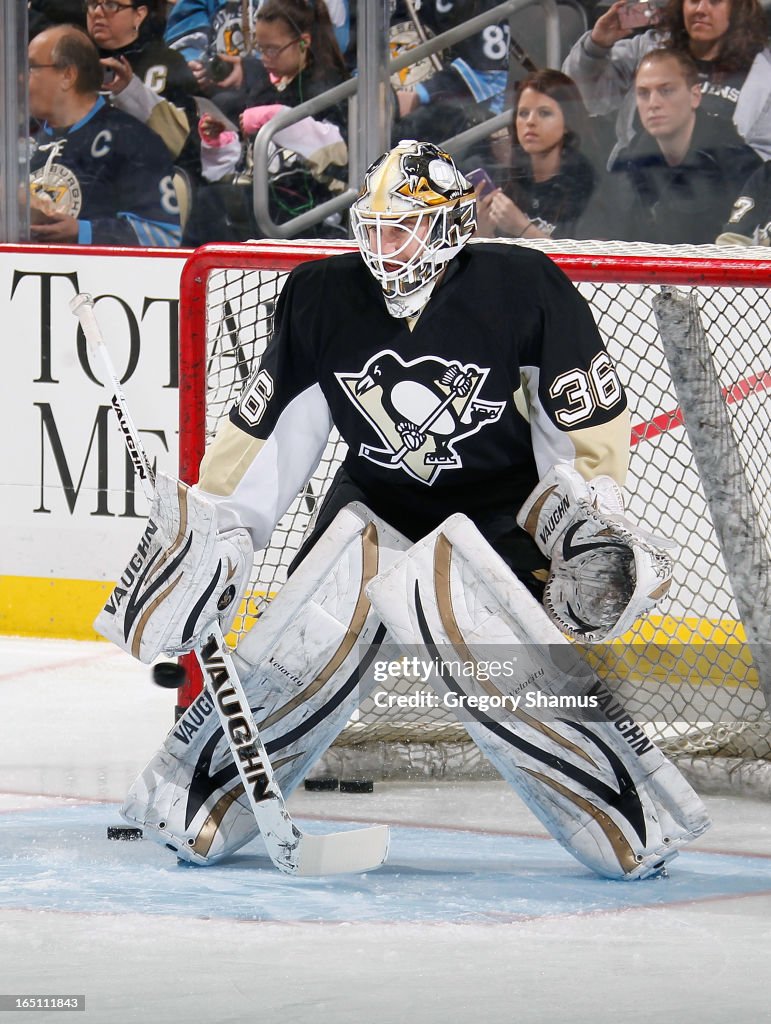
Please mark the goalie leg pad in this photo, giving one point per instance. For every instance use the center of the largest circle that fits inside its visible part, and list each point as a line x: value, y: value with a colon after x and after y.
x: 600, y: 786
x: 305, y: 666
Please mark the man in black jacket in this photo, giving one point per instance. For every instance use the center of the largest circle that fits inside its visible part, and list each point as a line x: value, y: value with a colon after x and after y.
x: 680, y: 175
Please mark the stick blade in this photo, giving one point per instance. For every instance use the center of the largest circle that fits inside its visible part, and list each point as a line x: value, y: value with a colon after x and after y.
x: 339, y: 853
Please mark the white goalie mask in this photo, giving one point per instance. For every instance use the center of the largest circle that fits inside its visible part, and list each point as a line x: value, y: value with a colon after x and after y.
x: 415, y: 212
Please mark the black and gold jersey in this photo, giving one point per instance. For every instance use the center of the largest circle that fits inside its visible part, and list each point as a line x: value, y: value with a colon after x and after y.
x: 503, y: 374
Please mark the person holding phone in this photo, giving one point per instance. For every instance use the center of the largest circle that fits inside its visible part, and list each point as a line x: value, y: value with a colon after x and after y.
x: 641, y: 14
x: 550, y: 180
x: 143, y: 77
x: 726, y: 38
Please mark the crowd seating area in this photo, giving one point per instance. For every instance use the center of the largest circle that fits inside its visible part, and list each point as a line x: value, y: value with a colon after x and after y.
x: 648, y: 131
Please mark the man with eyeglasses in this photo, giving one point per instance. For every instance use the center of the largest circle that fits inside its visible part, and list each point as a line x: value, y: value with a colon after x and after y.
x: 97, y: 174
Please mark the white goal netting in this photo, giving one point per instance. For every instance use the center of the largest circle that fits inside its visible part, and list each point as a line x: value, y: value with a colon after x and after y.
x: 688, y: 675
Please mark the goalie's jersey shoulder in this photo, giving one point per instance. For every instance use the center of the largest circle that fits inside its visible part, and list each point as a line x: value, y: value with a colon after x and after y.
x: 490, y: 287
x: 489, y: 310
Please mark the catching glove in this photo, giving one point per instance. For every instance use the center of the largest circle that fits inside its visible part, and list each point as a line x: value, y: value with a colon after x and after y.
x: 605, y: 571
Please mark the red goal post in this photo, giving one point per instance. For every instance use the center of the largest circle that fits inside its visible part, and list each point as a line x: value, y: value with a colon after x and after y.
x: 687, y: 673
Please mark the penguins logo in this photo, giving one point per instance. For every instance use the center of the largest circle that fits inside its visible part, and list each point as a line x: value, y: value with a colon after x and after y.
x: 56, y: 189
x: 420, y: 410
x: 229, y: 35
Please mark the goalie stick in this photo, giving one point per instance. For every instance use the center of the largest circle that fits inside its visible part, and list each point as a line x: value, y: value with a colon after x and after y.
x: 292, y: 851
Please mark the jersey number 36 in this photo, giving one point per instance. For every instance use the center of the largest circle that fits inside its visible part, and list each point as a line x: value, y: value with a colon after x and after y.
x: 584, y: 391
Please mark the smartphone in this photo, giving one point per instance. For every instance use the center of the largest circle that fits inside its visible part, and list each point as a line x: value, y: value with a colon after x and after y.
x: 481, y: 180
x: 635, y: 15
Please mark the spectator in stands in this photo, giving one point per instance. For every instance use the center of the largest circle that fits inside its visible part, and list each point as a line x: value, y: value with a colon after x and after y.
x: 300, y: 59
x: 470, y: 83
x: 676, y: 180
x: 750, y: 220
x: 97, y: 174
x: 548, y: 186
x: 296, y: 57
x: 194, y: 25
x: 144, y: 77
x: 726, y: 38
x: 209, y: 34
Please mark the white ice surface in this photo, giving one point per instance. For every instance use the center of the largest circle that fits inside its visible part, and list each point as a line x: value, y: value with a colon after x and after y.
x: 78, y: 721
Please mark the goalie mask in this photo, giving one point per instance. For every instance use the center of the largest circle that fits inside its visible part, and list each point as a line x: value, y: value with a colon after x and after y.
x: 415, y: 212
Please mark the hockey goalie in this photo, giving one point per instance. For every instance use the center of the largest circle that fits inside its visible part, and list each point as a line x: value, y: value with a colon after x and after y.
x: 479, y: 509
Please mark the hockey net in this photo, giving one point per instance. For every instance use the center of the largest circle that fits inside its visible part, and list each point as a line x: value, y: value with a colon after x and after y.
x: 688, y: 675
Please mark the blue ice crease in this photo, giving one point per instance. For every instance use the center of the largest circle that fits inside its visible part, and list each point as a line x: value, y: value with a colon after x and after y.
x: 60, y: 859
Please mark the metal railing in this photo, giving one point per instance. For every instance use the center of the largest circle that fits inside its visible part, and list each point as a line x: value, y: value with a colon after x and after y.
x: 360, y: 113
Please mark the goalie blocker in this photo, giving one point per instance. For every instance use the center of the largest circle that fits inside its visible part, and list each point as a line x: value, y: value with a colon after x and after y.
x: 602, y: 789
x: 183, y: 575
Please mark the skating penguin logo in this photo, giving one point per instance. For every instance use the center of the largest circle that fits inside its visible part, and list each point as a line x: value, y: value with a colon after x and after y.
x: 54, y: 188
x: 227, y: 31
x: 420, y: 410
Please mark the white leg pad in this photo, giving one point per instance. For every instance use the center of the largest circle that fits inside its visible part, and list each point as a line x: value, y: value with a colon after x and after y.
x: 305, y: 666
x: 600, y: 786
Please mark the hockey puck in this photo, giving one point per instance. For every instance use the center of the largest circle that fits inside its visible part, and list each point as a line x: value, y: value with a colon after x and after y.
x: 124, y: 832
x: 357, y: 786
x: 323, y: 785
x: 169, y: 674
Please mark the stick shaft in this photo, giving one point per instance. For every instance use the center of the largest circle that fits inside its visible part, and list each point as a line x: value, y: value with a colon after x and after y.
x: 83, y: 307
